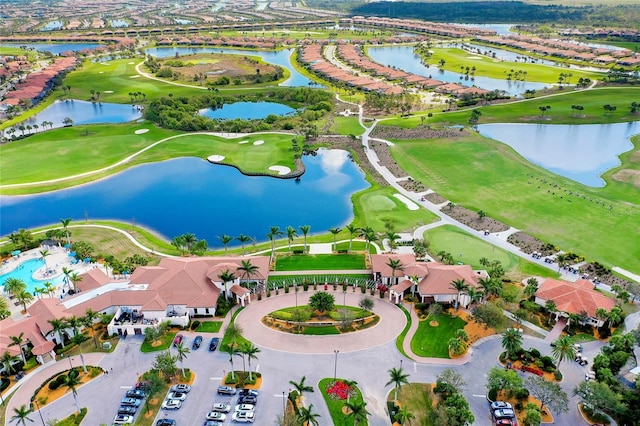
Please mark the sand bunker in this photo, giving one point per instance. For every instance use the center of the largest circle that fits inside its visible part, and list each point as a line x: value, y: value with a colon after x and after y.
x: 134, y: 76
x: 141, y: 131
x: 258, y: 142
x: 100, y: 72
x: 243, y: 142
x: 215, y: 158
x: 474, y: 57
x: 131, y: 63
x: 108, y: 91
x: 282, y: 170
x: 407, y: 202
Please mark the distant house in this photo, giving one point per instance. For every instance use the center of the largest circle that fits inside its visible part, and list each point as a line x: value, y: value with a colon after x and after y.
x: 577, y: 298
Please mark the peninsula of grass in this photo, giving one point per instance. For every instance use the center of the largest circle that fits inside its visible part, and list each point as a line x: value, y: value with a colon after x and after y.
x: 304, y: 320
x: 469, y: 249
x: 338, y: 414
x: 405, y: 330
x: 209, y: 326
x: 508, y: 188
x: 162, y: 344
x: 432, y: 341
x: 313, y: 262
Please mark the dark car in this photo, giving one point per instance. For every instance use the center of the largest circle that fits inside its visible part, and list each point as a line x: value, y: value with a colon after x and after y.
x: 246, y: 392
x: 177, y: 341
x: 135, y: 393
x: 143, y: 385
x: 196, y: 343
x: 20, y: 375
x: 130, y: 401
x: 249, y: 399
x: 226, y: 390
x: 166, y: 422
x: 127, y: 409
x: 213, y: 344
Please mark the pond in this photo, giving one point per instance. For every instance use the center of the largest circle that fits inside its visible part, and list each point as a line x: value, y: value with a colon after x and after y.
x: 192, y: 195
x: 405, y: 59
x: 500, y: 29
x: 83, y: 112
x: 25, y: 271
x: 55, y: 48
x: 247, y: 110
x: 578, y: 152
x: 280, y: 57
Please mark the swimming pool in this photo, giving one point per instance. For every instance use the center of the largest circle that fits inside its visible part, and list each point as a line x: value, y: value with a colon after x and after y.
x: 25, y: 271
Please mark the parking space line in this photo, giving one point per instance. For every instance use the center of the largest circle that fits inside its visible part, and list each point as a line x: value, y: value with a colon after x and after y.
x: 215, y: 378
x: 126, y: 387
x: 479, y: 396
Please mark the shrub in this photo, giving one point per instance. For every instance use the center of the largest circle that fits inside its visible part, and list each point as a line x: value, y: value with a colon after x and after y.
x: 4, y: 383
x: 268, y: 293
x: 195, y: 325
x: 298, y: 251
x: 521, y: 394
x: 53, y: 385
x: 534, y: 353
x: 421, y: 306
x: 286, y: 288
x: 259, y: 296
x: 547, y: 361
x: 493, y: 394
x: 558, y: 375
x: 305, y: 286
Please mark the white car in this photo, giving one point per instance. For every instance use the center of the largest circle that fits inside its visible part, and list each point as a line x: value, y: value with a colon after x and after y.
x: 221, y: 407
x: 177, y: 395
x: 180, y: 388
x: 214, y: 415
x: 244, y: 407
x: 122, y: 419
x: 171, y: 404
x: 243, y: 417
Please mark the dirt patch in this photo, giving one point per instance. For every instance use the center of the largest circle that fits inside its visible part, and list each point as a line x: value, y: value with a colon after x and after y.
x: 385, y: 159
x: 604, y: 275
x: 528, y: 244
x: 635, y: 157
x: 628, y: 176
x: 473, y: 220
x: 434, y: 323
x: 418, y: 132
x: 475, y: 330
x: 435, y: 198
x: 412, y: 185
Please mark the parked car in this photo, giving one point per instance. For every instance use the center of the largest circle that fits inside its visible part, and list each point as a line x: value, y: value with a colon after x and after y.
x: 243, y: 417
x: 226, y: 390
x: 217, y: 416
x: 180, y: 388
x: 213, y: 344
x: 196, y: 343
x: 245, y: 392
x: 177, y: 395
x: 221, y: 407
x: 506, y: 422
x: 171, y: 404
x: 249, y: 399
x: 20, y: 375
x: 166, y: 422
x: 178, y: 340
x: 581, y: 359
x: 211, y: 423
x: 122, y: 419
x: 496, y: 405
x: 127, y: 409
x: 504, y: 413
x: 143, y: 385
x: 130, y: 401
x: 135, y: 393
x: 245, y: 407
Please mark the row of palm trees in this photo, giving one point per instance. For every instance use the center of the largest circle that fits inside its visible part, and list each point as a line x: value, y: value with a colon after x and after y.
x: 563, y: 347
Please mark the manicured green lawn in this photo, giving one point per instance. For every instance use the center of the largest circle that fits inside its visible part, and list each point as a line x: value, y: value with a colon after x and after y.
x: 403, y: 335
x: 286, y: 313
x: 321, y: 331
x: 458, y: 242
x: 319, y: 279
x: 299, y: 262
x: 582, y: 338
x: 433, y: 341
x: 347, y: 126
x: 338, y: 418
x: 511, y: 189
x: 166, y: 341
x: 210, y: 326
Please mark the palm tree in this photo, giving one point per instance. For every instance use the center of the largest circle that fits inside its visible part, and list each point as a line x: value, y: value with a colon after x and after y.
x: 550, y: 306
x: 14, y: 286
x: 232, y: 351
x: 7, y: 360
x: 274, y: 232
x: 189, y: 239
x: 72, y: 383
x: 357, y: 411
x: 301, y: 387
x: 22, y: 414
x: 563, y: 349
x: 391, y: 236
x: 226, y: 276
x: 307, y: 416
x: 456, y: 346
x: 248, y: 270
x: 369, y: 236
x: 58, y: 327
x: 225, y: 240
x: 395, y: 265
x: 23, y: 298
x: 88, y: 321
x: 65, y: 226
x: 335, y: 231
x: 511, y: 341
x: 75, y: 278
x: 353, y: 231
x: 475, y: 295
x: 43, y: 255
x: 601, y: 314
x: 404, y: 415
x: 243, y: 240
x: 251, y: 351
x: 291, y: 234
x: 19, y: 341
x: 350, y: 384
x: 562, y: 260
x: 460, y: 286
x: 305, y: 231
x: 49, y: 288
x: 182, y: 355
x: 398, y: 378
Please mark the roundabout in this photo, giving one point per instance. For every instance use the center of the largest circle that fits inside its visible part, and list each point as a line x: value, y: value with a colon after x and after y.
x: 391, y: 324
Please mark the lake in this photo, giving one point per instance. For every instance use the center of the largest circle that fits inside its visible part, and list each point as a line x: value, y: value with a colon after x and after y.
x: 83, y: 112
x: 55, y: 48
x: 192, y: 195
x: 405, y: 59
x: 280, y: 57
x: 578, y: 152
x: 247, y: 110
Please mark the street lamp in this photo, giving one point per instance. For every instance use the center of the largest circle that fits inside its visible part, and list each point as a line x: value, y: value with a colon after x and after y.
x: 295, y: 288
x: 39, y: 412
x: 284, y: 406
x: 344, y: 298
x: 335, y: 364
x: 400, y: 363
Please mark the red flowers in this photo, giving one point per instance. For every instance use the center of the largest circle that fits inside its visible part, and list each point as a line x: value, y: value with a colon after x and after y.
x: 338, y: 390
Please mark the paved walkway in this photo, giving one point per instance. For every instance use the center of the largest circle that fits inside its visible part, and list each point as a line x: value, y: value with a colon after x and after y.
x: 556, y: 331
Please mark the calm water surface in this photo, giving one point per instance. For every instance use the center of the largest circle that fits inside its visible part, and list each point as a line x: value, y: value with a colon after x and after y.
x: 55, y: 48
x: 192, y: 195
x: 25, y: 271
x: 578, y: 152
x: 83, y: 112
x: 247, y: 110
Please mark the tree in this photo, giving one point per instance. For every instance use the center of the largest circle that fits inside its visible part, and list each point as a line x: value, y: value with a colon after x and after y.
x: 72, y: 382
x: 225, y: 240
x: 395, y: 265
x: 548, y: 393
x: 451, y: 379
x: 166, y: 364
x: 366, y: 303
x: 43, y: 256
x: 397, y: 379
x: 88, y: 320
x: 544, y: 109
x: 353, y: 231
x: 307, y: 416
x: 291, y: 235
x: 75, y: 278
x: 181, y: 355
x: 531, y: 288
x: 563, y: 349
x: 251, y: 352
x: 301, y: 386
x: 248, y: 270
x: 14, y: 286
x: 532, y: 415
x: 503, y: 379
x: 456, y: 346
x: 19, y: 341
x: 404, y: 416
x: 243, y: 240
x: 490, y: 315
x: 7, y: 361
x: 488, y: 285
x: 21, y: 414
x: 511, y: 341
x: 335, y: 231
x: 600, y: 397
x: 475, y: 295
x: 4, y: 308
x: 226, y: 276
x: 460, y: 286
x: 357, y: 411
x: 369, y: 236
x: 65, y: 226
x: 322, y: 301
x: 482, y: 214
x: 232, y: 350
x: 274, y: 232
x: 305, y: 232
x: 550, y: 306
x: 392, y: 238
x: 23, y: 298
